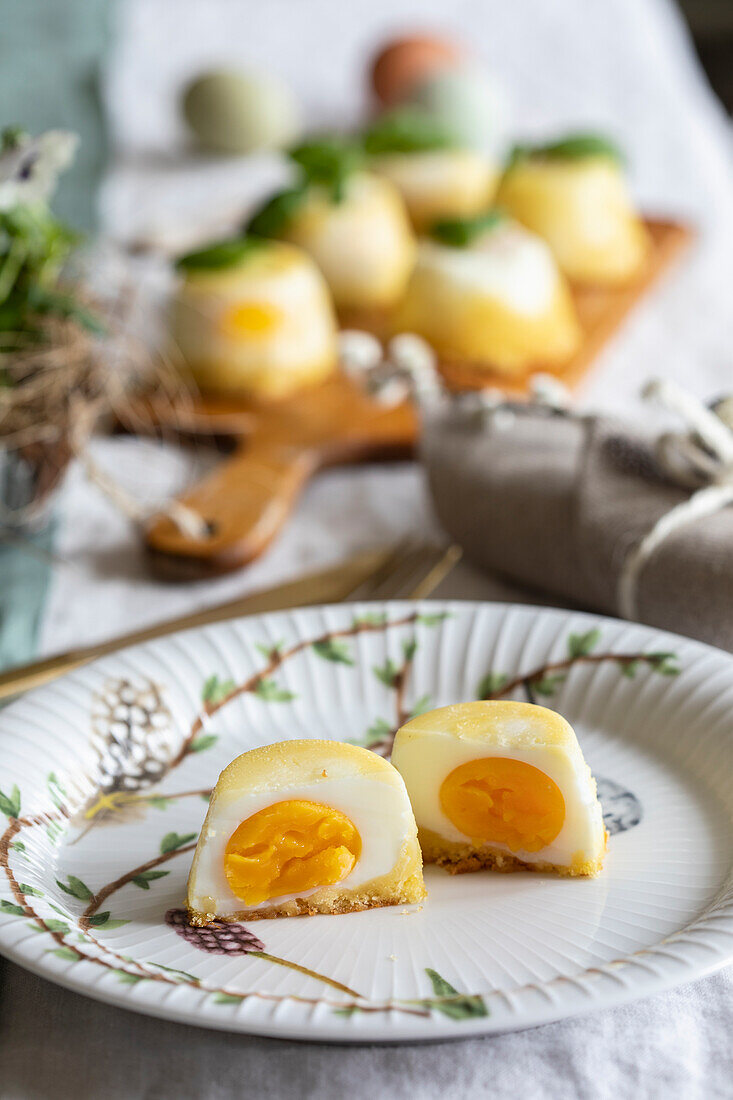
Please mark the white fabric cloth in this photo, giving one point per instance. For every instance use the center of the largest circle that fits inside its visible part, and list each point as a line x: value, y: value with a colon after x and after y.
x: 625, y: 66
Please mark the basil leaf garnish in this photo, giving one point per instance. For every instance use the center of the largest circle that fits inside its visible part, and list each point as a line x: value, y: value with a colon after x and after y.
x: 462, y: 232
x: 218, y: 256
x: 328, y: 161
x: 573, y: 147
x: 272, y: 217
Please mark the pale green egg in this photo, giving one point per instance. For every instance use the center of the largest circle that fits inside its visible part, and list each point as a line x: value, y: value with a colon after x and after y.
x: 468, y: 103
x: 233, y: 112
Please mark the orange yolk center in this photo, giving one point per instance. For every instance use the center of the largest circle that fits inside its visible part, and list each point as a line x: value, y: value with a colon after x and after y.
x: 290, y: 847
x: 250, y: 319
x: 505, y: 802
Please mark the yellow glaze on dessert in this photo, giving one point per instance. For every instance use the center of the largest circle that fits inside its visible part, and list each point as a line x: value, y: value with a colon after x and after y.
x: 501, y: 785
x: 305, y: 827
x: 363, y: 243
x: 262, y: 328
x: 582, y: 208
x: 500, y: 303
x: 440, y: 183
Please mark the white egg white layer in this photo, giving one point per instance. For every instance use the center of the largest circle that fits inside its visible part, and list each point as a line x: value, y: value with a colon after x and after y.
x: 507, y: 263
x: 381, y: 813
x: 425, y: 761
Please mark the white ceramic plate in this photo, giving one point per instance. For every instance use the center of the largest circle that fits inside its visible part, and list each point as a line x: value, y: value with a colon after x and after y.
x: 104, y: 774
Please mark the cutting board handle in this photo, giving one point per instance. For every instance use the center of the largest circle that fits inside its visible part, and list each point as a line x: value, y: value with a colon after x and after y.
x: 244, y: 502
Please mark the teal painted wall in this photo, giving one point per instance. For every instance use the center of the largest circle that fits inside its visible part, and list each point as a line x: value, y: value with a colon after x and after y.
x: 51, y: 56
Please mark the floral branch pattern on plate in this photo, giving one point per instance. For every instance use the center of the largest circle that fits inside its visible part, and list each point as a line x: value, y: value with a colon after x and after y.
x: 138, y: 748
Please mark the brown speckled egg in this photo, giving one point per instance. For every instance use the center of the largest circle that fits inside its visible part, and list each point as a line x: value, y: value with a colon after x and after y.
x: 405, y: 62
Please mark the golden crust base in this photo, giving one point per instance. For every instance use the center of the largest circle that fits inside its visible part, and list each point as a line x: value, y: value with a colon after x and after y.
x: 402, y: 886
x: 348, y: 902
x: 459, y: 859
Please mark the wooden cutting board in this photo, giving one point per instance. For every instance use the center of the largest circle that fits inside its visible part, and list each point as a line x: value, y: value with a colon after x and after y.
x: 277, y: 447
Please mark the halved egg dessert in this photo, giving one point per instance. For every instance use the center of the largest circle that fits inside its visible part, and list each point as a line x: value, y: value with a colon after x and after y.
x: 487, y: 292
x: 436, y: 176
x: 305, y: 827
x: 501, y: 785
x: 352, y: 223
x: 573, y: 193
x: 253, y: 318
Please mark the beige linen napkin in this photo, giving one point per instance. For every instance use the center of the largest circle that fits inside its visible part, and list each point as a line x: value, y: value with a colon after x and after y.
x: 557, y: 502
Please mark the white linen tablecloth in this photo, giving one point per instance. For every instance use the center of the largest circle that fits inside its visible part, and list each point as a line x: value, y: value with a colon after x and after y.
x: 625, y: 66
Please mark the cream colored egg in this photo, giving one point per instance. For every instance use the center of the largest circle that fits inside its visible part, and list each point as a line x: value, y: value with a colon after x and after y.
x: 304, y: 827
x: 440, y: 183
x: 501, y: 785
x: 260, y: 327
x: 499, y: 302
x: 362, y: 242
x: 582, y: 208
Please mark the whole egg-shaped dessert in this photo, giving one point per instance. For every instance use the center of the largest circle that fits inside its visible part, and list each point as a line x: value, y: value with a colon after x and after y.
x: 486, y: 291
x: 253, y: 318
x: 353, y: 223
x: 574, y: 194
x: 437, y: 176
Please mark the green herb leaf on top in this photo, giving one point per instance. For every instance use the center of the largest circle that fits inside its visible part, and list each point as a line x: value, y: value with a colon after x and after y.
x: 273, y: 216
x: 328, y: 161
x: 462, y: 232
x: 406, y: 130
x: 573, y: 147
x: 219, y: 255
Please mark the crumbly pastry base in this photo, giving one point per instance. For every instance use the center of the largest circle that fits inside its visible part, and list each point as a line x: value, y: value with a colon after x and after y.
x: 402, y: 886
x: 459, y: 859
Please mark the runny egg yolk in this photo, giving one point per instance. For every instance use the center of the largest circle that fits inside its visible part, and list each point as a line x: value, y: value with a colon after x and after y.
x: 504, y: 801
x: 288, y: 848
x: 250, y: 319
